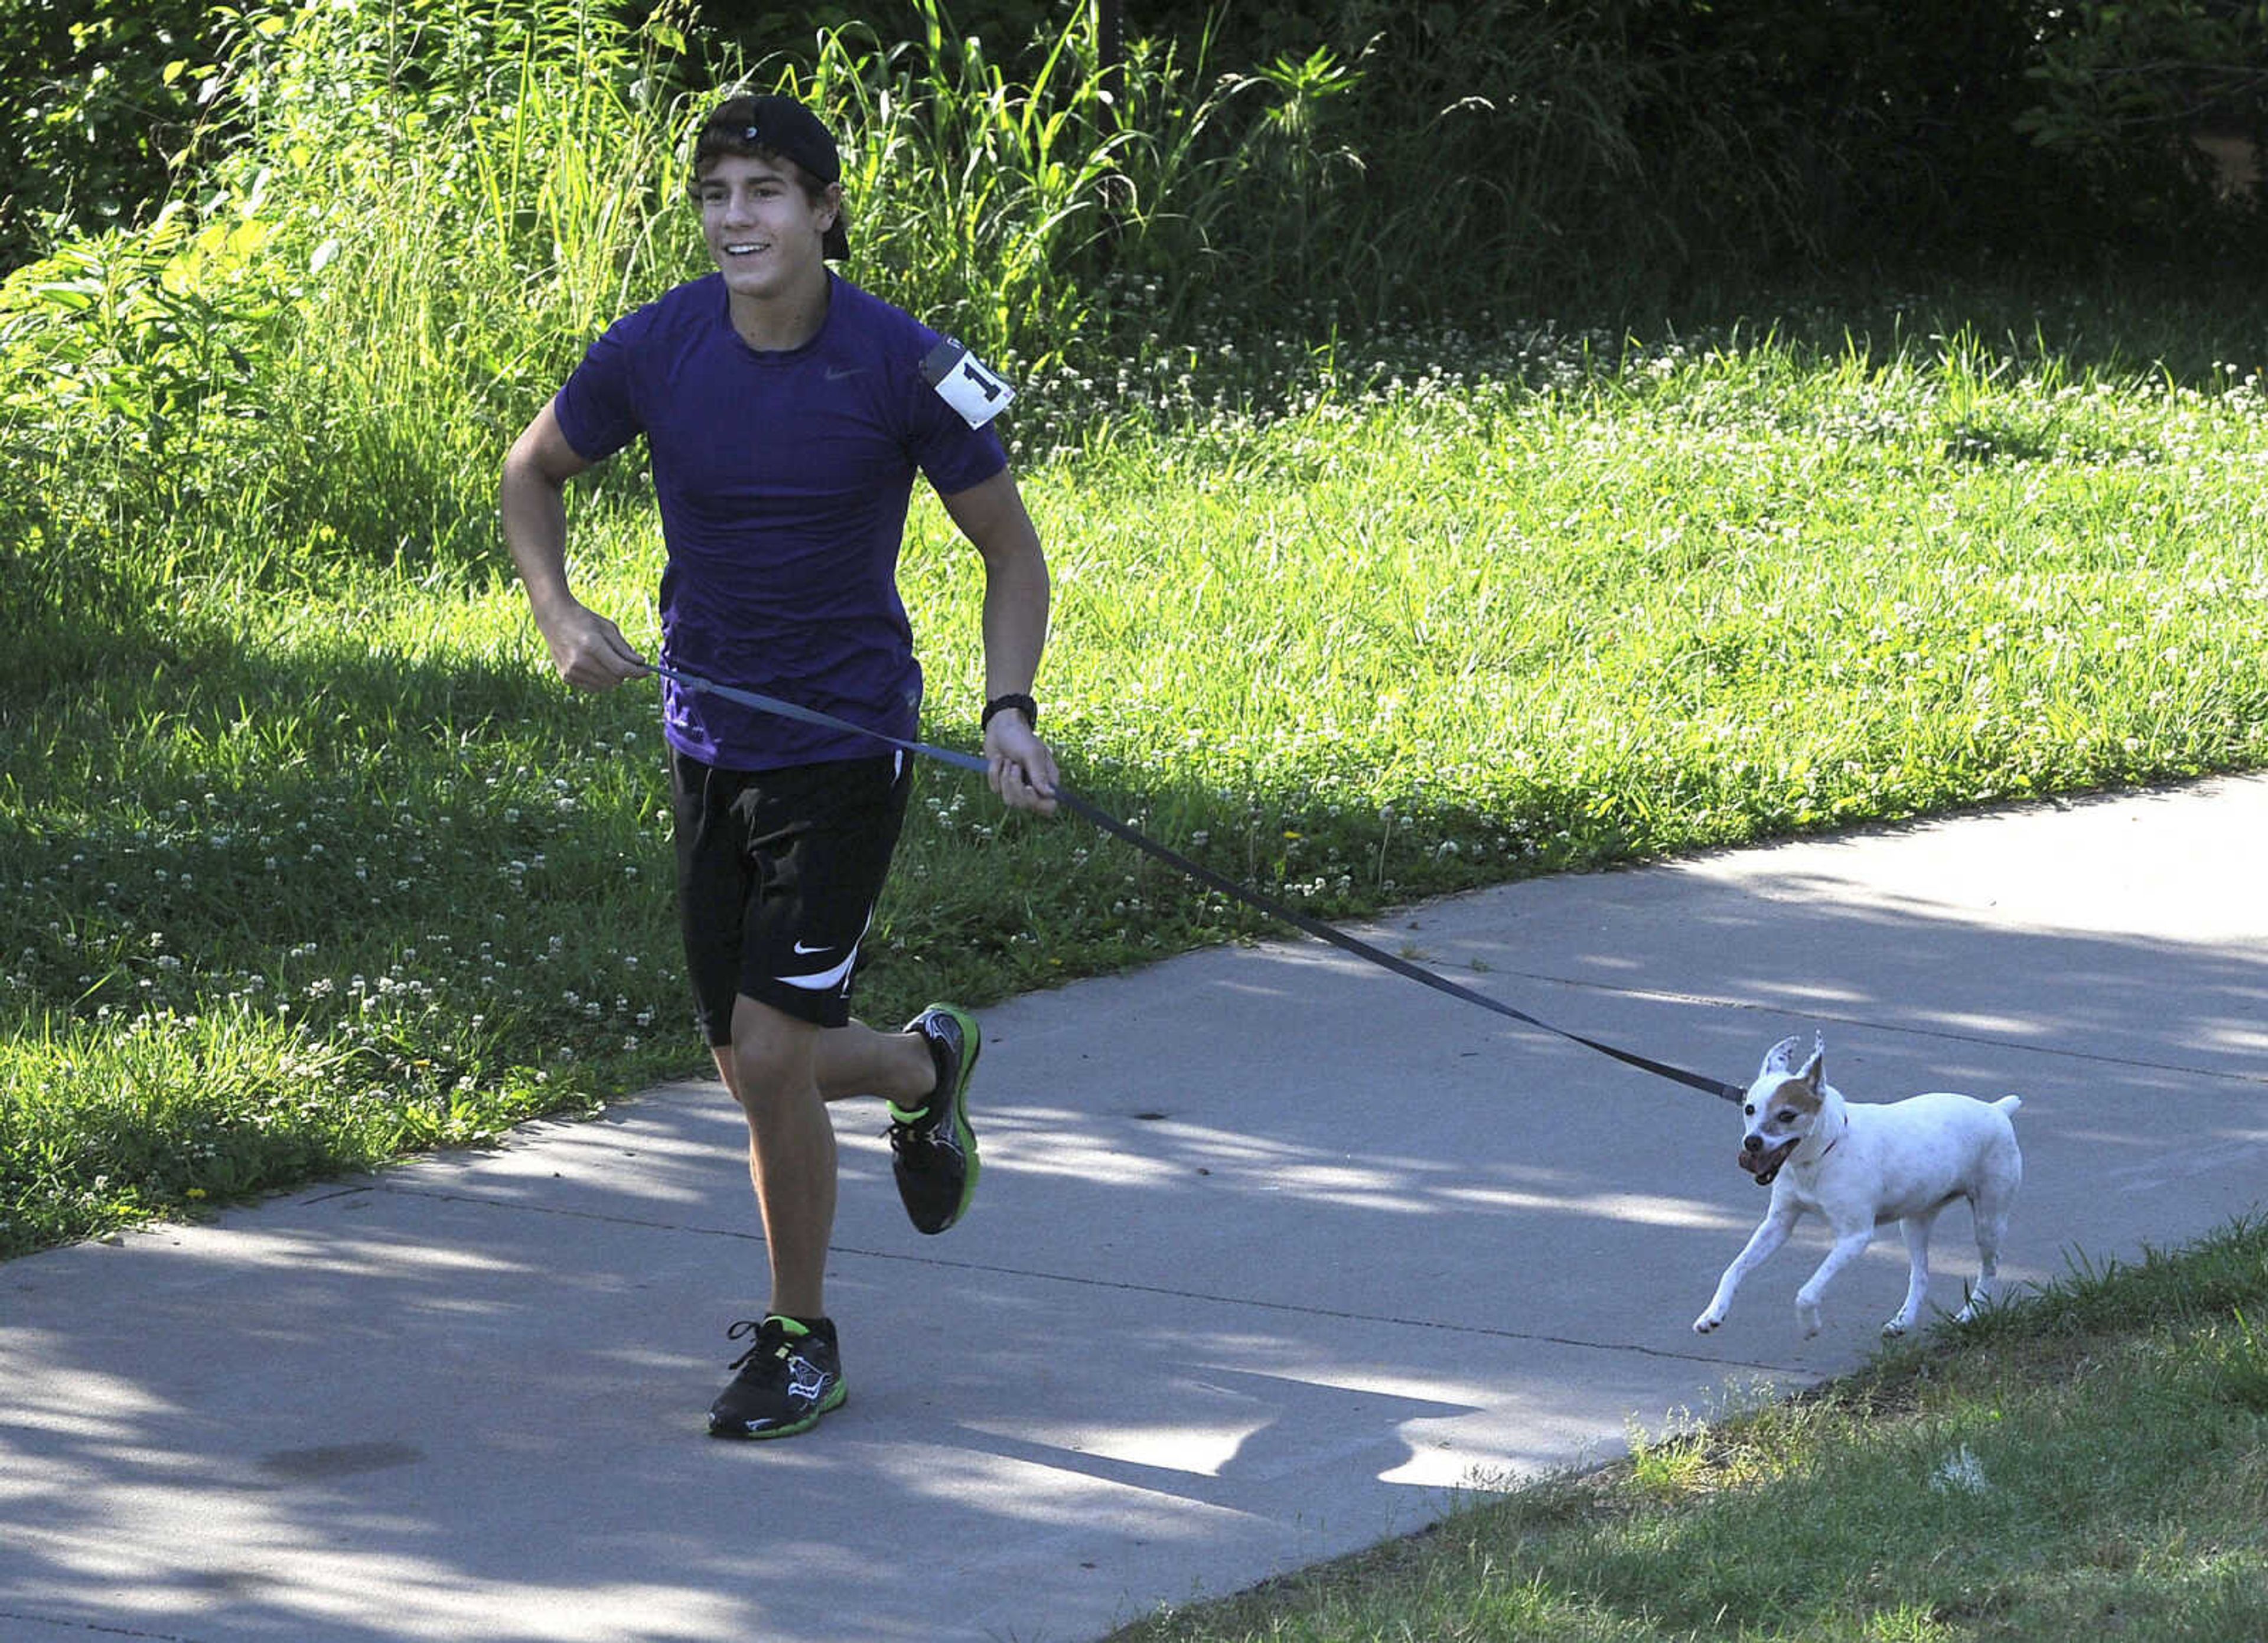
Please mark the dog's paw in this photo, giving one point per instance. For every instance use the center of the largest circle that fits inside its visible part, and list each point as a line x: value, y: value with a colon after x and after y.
x: 1895, y: 1328
x: 1707, y: 1322
x: 1806, y: 1317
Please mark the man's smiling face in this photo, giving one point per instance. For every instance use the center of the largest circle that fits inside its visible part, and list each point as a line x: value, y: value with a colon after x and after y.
x: 763, y: 231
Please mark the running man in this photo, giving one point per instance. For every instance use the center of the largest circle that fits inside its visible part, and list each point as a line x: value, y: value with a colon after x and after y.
x: 785, y: 413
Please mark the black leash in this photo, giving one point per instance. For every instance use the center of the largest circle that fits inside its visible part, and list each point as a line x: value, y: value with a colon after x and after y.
x: 1207, y: 877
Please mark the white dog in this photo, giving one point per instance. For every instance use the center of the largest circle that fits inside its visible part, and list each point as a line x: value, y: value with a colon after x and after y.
x: 1858, y: 1166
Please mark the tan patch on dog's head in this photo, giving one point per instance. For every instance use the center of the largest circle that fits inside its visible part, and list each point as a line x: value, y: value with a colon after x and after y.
x: 1801, y: 1093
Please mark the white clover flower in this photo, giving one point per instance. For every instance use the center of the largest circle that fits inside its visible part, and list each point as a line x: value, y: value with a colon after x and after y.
x: 1961, y: 1471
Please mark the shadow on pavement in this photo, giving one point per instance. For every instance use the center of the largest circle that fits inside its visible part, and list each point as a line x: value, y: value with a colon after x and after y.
x: 1276, y: 1252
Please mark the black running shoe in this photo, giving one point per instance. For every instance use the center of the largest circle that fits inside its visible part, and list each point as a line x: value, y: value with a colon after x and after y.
x: 933, y: 1151
x: 792, y: 1376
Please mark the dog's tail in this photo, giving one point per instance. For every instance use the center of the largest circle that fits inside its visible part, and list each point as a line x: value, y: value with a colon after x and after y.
x: 2008, y: 1104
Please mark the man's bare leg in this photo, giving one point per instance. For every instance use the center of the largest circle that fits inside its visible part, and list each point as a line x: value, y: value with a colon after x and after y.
x: 791, y: 1149
x: 796, y: 1068
x: 857, y: 1060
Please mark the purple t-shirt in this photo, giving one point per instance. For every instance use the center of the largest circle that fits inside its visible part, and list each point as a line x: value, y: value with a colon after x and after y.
x: 783, y: 481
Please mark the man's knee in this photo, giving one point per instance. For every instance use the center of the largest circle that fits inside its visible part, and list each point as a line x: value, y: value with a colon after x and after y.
x: 772, y: 1054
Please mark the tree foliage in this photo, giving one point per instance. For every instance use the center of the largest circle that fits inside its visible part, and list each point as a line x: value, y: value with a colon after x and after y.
x: 99, y: 99
x: 1693, y: 137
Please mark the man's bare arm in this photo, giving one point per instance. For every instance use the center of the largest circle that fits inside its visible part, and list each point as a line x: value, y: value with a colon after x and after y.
x: 993, y: 516
x: 588, y: 650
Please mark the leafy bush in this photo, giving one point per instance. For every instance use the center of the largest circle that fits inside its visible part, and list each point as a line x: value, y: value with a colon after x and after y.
x: 2124, y: 93
x: 99, y: 97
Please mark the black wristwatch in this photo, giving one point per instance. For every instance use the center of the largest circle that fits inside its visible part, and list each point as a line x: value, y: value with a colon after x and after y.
x: 1002, y: 704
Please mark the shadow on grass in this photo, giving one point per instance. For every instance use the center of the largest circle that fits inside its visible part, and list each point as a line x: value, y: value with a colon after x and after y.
x: 474, y: 833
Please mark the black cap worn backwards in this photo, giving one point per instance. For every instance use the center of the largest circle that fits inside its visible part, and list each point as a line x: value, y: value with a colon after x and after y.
x: 785, y: 127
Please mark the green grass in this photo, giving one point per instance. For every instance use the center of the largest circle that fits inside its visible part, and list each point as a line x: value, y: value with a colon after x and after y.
x: 2088, y: 1462
x: 314, y: 862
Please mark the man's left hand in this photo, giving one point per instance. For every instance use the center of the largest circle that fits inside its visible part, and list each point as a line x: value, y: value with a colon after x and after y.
x: 1019, y: 765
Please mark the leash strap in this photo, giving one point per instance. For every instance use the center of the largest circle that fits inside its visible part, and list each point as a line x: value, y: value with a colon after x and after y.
x: 1207, y: 877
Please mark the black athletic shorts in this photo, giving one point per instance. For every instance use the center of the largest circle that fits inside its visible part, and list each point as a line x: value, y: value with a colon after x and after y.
x: 777, y: 875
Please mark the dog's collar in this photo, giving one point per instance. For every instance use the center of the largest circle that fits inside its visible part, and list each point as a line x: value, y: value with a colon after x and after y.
x: 1838, y: 1141
x: 1832, y: 1144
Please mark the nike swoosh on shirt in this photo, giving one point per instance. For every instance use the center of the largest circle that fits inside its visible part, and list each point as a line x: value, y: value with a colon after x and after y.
x: 834, y: 374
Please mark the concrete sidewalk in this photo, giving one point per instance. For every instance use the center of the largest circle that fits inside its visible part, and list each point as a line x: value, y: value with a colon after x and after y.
x: 1276, y: 1252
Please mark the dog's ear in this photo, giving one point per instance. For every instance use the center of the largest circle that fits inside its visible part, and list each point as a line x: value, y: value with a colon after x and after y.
x: 1780, y: 1059
x: 1814, y: 1071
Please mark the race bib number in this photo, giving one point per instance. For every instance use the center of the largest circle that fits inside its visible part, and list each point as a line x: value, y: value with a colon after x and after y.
x: 963, y: 383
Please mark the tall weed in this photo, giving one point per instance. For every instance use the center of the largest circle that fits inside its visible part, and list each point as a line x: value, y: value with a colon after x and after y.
x: 1048, y: 219
x: 463, y: 239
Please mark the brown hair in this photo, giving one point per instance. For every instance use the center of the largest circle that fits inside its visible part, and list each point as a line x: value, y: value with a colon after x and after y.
x: 782, y: 131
